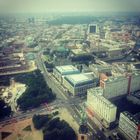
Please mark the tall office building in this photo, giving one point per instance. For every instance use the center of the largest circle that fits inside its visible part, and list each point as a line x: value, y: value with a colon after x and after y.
x: 93, y: 28
x: 102, y: 110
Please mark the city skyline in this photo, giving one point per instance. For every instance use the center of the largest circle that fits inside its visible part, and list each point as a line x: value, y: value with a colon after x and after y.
x: 69, y: 75
x: 44, y: 6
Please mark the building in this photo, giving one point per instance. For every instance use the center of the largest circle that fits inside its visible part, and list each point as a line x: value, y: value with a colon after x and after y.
x: 61, y: 71
x: 115, y: 52
x: 129, y: 125
x: 78, y: 52
x: 102, y: 111
x: 78, y: 84
x: 93, y: 28
x: 121, y: 85
x: 118, y: 36
x: 61, y: 51
x: 134, y: 82
x: 100, y: 68
x: 114, y: 86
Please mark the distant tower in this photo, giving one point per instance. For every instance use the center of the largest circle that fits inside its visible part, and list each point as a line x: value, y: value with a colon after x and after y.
x: 93, y: 28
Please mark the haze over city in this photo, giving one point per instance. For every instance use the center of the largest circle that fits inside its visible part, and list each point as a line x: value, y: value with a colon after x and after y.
x: 43, y: 6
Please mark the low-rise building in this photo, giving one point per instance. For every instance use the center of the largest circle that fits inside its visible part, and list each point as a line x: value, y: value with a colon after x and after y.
x: 99, y: 69
x: 78, y: 84
x: 78, y: 52
x: 129, y: 125
x: 61, y: 71
x: 101, y: 109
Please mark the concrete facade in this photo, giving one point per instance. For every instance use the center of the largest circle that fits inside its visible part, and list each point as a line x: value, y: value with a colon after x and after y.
x: 60, y: 71
x: 78, y: 83
x: 102, y: 109
x: 129, y: 126
x: 117, y: 86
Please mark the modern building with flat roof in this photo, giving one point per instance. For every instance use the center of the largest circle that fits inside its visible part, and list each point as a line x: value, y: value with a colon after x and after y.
x: 78, y: 83
x: 60, y: 71
x: 121, y: 85
x: 101, y: 110
x: 129, y: 125
x: 78, y: 52
x: 93, y: 28
x: 114, y: 86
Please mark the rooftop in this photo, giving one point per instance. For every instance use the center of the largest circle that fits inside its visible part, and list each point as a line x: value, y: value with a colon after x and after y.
x: 116, y: 79
x: 78, y: 79
x: 131, y: 117
x: 67, y: 69
x: 78, y: 51
x: 98, y: 92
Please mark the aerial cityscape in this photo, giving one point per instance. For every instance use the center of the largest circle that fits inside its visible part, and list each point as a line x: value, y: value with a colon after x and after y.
x: 70, y: 70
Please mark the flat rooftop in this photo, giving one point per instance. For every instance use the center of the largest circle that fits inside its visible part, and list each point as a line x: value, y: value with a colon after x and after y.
x: 98, y: 92
x: 78, y: 51
x: 67, y: 69
x: 78, y: 79
x: 133, y: 118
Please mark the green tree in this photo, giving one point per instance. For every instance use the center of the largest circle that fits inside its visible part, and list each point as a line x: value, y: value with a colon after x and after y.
x: 5, y: 110
x: 37, y: 91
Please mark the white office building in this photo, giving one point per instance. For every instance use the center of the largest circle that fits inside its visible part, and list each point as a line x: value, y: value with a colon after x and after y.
x: 117, y: 86
x: 102, y: 109
x: 78, y: 84
x: 135, y: 82
x: 61, y: 71
x: 129, y: 125
x: 114, y: 86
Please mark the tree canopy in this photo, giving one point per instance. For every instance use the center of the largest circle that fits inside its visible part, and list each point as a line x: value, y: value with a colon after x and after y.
x: 5, y: 110
x: 37, y: 91
x: 54, y: 128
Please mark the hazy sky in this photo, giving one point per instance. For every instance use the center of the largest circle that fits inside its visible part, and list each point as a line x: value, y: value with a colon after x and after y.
x: 69, y: 5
